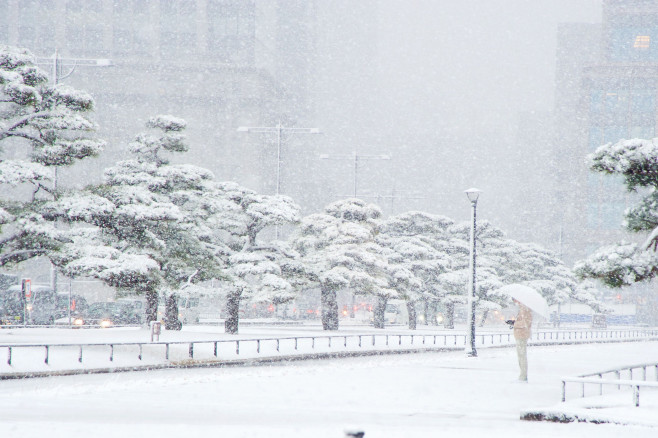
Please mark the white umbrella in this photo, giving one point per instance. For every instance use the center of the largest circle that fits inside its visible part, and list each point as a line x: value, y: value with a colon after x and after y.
x: 528, y: 297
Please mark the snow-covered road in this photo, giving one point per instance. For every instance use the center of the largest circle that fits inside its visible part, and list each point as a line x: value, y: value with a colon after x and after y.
x: 424, y: 395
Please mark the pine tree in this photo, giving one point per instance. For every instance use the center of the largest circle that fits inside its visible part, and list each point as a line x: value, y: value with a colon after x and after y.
x: 49, y: 122
x: 150, y: 222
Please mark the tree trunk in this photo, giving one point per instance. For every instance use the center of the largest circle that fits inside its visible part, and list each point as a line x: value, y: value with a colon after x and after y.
x: 380, y: 312
x: 329, y: 308
x: 449, y: 321
x: 426, y: 312
x: 171, y: 313
x: 433, y: 313
x: 232, y: 314
x: 151, y: 306
x: 411, y: 309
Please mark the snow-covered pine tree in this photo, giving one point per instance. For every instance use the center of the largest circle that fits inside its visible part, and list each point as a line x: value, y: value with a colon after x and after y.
x: 626, y: 263
x: 262, y: 272
x: 150, y: 222
x: 336, y: 248
x: 417, y: 241
x: 49, y: 123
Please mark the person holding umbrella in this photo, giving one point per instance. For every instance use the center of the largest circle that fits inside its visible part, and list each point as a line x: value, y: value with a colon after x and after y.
x: 528, y: 300
x: 522, y: 330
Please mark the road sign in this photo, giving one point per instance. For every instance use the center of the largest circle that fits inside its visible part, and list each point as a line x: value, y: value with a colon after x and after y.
x: 27, y: 287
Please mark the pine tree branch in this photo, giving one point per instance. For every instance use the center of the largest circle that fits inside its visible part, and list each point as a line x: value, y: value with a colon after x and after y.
x: 20, y: 256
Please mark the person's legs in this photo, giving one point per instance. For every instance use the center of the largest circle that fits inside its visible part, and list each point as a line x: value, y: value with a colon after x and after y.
x: 522, y: 353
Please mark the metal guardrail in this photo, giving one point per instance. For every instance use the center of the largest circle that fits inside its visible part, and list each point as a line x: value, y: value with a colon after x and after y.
x: 598, y: 379
x: 363, y: 341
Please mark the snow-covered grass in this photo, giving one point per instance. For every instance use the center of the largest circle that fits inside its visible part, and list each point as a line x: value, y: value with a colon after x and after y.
x: 418, y: 395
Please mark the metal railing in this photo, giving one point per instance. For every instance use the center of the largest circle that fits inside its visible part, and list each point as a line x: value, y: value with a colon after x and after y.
x: 276, y: 346
x: 600, y: 380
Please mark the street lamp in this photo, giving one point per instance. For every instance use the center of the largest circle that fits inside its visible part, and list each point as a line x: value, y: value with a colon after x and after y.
x: 356, y: 157
x: 473, y: 195
x: 278, y: 129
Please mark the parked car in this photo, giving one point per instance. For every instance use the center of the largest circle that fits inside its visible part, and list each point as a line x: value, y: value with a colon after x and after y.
x: 78, y: 305
x: 109, y: 314
x: 38, y: 309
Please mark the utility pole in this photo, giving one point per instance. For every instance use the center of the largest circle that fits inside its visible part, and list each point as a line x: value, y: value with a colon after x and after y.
x: 279, y: 129
x: 56, y: 64
x: 356, y: 157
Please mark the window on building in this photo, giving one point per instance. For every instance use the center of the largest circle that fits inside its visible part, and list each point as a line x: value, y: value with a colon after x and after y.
x: 634, y: 42
x: 642, y: 42
x: 596, y: 101
x: 643, y: 100
x: 130, y: 19
x: 84, y: 28
x: 231, y: 25
x: 178, y: 27
x: 612, y: 134
x: 616, y: 101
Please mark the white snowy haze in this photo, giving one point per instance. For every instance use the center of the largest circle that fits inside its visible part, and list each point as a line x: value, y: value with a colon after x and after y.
x: 445, y: 89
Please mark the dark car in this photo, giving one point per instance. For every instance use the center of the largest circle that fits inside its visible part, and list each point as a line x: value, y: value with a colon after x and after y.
x: 109, y: 314
x: 78, y: 305
x: 39, y: 308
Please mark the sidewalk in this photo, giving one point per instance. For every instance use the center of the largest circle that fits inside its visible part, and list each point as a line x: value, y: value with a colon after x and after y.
x: 418, y: 395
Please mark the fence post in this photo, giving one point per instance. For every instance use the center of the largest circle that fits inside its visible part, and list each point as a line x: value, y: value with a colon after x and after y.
x: 140, y: 352
x: 191, y: 350
x: 564, y: 390
x: 277, y: 344
x: 359, y: 341
x: 80, y: 357
x: 373, y: 340
x: 215, y: 349
x: 257, y: 345
x: 167, y: 351
x: 237, y: 347
x: 111, y: 353
x: 636, y: 395
x: 46, y: 360
x: 9, y: 356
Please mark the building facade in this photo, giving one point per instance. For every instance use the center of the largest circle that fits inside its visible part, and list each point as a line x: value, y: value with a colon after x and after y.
x: 607, y: 79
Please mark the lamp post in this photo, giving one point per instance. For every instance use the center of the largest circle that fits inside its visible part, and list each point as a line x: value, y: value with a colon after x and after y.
x: 55, y: 62
x: 356, y: 157
x: 278, y: 129
x: 473, y: 195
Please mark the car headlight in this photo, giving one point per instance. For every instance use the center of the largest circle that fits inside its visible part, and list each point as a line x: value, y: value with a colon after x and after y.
x: 106, y: 323
x: 78, y: 321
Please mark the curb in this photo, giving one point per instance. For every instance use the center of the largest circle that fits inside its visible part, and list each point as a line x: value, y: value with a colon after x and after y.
x: 211, y: 363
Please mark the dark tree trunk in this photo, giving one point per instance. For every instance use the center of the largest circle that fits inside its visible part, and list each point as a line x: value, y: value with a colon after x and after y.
x: 411, y: 309
x: 426, y: 312
x: 380, y: 312
x: 232, y: 314
x: 329, y: 306
x: 433, y: 313
x: 449, y: 321
x: 171, y: 313
x: 151, y: 306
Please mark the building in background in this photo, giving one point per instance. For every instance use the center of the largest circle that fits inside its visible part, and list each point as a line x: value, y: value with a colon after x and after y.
x: 606, y: 84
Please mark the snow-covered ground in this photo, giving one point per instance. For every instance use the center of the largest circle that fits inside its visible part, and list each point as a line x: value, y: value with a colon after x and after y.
x: 424, y: 395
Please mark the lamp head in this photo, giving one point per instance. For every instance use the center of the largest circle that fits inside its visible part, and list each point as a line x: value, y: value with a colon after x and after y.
x: 473, y: 194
